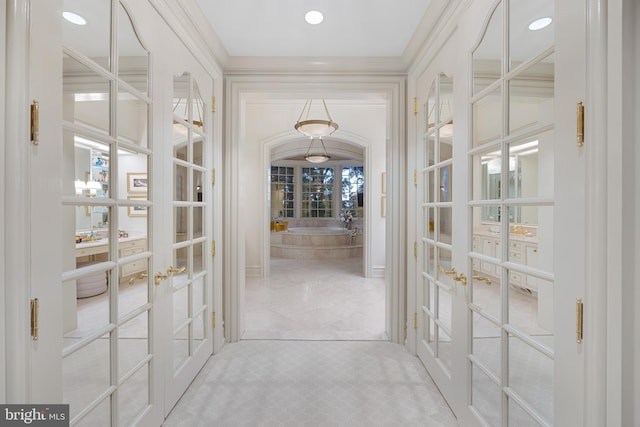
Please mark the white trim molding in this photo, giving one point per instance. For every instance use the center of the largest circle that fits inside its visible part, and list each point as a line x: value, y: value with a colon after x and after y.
x: 16, y: 203
x: 3, y: 376
x: 390, y: 89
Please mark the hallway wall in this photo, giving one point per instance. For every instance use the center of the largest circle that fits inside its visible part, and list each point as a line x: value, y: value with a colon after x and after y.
x: 3, y: 56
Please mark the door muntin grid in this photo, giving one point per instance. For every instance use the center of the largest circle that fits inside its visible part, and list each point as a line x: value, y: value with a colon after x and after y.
x: 436, y: 223
x: 107, y: 359
x: 190, y: 281
x: 510, y: 299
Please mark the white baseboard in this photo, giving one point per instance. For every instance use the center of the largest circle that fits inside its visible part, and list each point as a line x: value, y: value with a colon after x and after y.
x: 253, y: 271
x: 378, y: 271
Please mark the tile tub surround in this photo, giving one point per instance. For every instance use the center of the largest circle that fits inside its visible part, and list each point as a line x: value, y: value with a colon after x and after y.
x: 316, y: 243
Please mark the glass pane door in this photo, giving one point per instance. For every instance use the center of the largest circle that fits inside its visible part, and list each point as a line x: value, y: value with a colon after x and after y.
x: 436, y: 284
x: 108, y: 365
x: 190, y: 283
x: 511, y: 291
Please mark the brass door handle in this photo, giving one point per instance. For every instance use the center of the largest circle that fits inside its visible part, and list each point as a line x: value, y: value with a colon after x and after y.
x: 482, y: 279
x: 172, y: 270
x: 158, y: 277
x: 132, y: 281
x: 451, y: 272
x: 460, y: 278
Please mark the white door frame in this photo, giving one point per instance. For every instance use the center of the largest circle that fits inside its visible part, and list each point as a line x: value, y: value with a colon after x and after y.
x: 3, y: 377
x: 238, y: 88
x: 623, y: 227
x: 16, y: 232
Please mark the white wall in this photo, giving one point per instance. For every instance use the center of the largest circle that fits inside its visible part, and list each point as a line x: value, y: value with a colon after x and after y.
x: 265, y: 121
x: 3, y: 9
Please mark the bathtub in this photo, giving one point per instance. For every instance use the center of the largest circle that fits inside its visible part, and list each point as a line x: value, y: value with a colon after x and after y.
x: 316, y: 243
x: 317, y: 230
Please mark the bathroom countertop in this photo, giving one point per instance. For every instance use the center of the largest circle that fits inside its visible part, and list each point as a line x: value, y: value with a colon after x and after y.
x: 512, y: 236
x: 105, y: 241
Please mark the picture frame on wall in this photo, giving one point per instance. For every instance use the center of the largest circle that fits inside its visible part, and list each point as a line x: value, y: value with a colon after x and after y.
x: 139, y: 211
x: 136, y: 182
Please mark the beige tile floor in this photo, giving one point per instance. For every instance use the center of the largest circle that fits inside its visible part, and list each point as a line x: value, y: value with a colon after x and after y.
x: 315, y: 300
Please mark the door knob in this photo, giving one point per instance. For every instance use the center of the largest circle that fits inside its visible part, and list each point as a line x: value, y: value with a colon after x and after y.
x: 462, y: 278
x: 451, y: 272
x: 172, y: 270
x: 158, y: 277
x: 483, y: 279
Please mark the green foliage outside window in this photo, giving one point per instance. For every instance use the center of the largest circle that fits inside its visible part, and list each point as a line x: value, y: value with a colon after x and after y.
x: 317, y: 192
x: 353, y: 190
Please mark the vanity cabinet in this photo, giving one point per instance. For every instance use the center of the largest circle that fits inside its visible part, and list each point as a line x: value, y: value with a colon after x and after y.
x: 131, y: 248
x: 521, y: 251
x: 97, y: 251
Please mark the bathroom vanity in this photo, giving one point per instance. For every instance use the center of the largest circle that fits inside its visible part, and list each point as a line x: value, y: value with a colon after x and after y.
x: 96, y: 251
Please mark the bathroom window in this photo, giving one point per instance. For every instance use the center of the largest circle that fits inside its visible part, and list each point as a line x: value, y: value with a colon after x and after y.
x: 317, y: 192
x: 282, y: 191
x: 353, y: 190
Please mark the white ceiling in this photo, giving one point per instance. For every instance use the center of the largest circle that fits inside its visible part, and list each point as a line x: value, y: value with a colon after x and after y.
x: 351, y: 28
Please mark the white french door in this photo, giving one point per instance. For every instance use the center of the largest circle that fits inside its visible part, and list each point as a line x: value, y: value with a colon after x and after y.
x: 439, y: 281
x: 190, y: 212
x: 501, y: 287
x: 119, y: 186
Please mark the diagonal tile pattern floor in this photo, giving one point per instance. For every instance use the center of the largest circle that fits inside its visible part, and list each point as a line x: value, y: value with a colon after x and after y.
x: 314, y: 353
x: 312, y: 383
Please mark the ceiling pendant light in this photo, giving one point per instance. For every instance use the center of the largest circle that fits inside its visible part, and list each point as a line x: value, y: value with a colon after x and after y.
x: 315, y: 128
x: 317, y: 157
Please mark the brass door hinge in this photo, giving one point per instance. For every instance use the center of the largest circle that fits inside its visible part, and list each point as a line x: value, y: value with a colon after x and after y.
x: 213, y: 320
x: 579, y: 320
x: 35, y: 318
x: 415, y: 249
x: 415, y: 105
x: 213, y: 248
x: 213, y: 176
x: 580, y: 124
x: 35, y: 122
x: 415, y: 177
x: 415, y: 320
x: 213, y: 104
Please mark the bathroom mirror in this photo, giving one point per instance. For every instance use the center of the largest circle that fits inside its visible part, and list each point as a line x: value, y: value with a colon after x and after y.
x: 487, y: 56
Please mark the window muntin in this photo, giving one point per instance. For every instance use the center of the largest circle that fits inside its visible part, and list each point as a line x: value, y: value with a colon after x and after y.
x: 282, y: 192
x: 317, y: 192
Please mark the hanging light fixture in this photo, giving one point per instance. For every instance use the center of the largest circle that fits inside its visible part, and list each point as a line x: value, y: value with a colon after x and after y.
x: 315, y: 128
x: 317, y: 157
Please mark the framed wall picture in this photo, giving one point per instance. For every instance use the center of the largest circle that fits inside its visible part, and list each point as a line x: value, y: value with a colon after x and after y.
x: 136, y: 182
x: 137, y: 210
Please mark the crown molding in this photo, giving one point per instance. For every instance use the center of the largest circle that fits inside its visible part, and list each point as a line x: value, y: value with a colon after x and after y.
x: 315, y: 65
x: 197, y: 33
x: 194, y: 31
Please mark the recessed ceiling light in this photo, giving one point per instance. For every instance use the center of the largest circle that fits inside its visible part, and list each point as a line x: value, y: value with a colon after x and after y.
x: 313, y: 17
x: 540, y: 23
x: 74, y: 18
